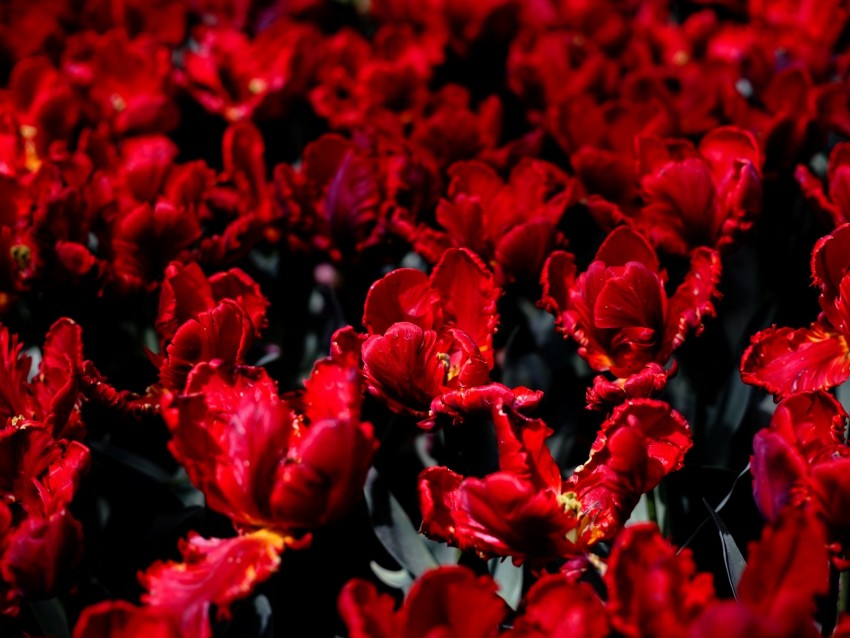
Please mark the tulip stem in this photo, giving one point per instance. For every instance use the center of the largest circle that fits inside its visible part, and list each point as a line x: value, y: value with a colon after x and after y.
x: 843, y: 592
x: 651, y: 509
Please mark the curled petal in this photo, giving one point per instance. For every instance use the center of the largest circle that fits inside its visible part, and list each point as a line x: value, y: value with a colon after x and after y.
x: 404, y: 295
x: 556, y: 607
x: 237, y: 285
x: 214, y: 572
x: 42, y: 473
x: 185, y: 294
x: 647, y: 383
x: 147, y: 239
x: 58, y: 386
x: 409, y: 367
x: 653, y: 589
x: 468, y: 295
x: 440, y: 601
x: 335, y: 387
x: 784, y: 361
x: 831, y: 487
x: 779, y: 472
x: 119, y: 619
x: 323, y: 475
x: 333, y: 391
x: 75, y: 257
x: 404, y: 368
x: 624, y: 244
x: 500, y: 515
x: 558, y: 278
x: 438, y: 499
x: 523, y: 450
x: 40, y: 553
x: 835, y: 206
x: 367, y: 613
x: 438, y: 604
x: 787, y: 588
x: 693, y: 299
x: 813, y: 191
x: 829, y: 267
x: 814, y: 423
x: 725, y: 147
x: 231, y: 431
x: 466, y: 401
x: 643, y: 441
x: 221, y: 333
x: 682, y: 209
x: 520, y: 253
x: 630, y: 301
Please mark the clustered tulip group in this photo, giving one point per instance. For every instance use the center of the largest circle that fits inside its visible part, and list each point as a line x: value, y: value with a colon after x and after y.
x: 457, y: 318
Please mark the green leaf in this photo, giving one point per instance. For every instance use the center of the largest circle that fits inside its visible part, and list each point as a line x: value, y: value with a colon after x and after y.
x: 413, y: 551
x: 509, y: 578
x: 732, y: 557
x: 400, y: 579
x: 51, y: 618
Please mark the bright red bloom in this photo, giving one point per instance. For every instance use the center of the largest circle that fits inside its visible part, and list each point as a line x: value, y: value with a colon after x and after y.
x: 482, y: 399
x: 126, y: 81
x: 377, y: 81
x: 256, y: 460
x: 187, y: 292
x: 555, y: 607
x: 138, y: 170
x: 699, y: 197
x: 239, y: 204
x: 653, y: 589
x: 221, y: 334
x: 600, y: 142
x: 784, y: 361
x: 119, y: 619
x: 647, y: 383
x: 430, y: 335
x: 642, y: 442
x: 619, y: 312
x: 214, y: 572
x: 147, y: 198
x: 499, y: 515
x: 526, y: 511
x: 834, y: 202
x: 278, y: 475
x: 42, y: 105
x: 337, y: 195
x: 776, y: 598
x: 409, y: 367
x: 232, y: 75
x: 52, y: 397
x: 511, y: 225
x: 516, y: 512
x: 40, y: 541
x: 803, y: 459
x: 146, y: 239
x: 451, y: 130
x: 448, y: 601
